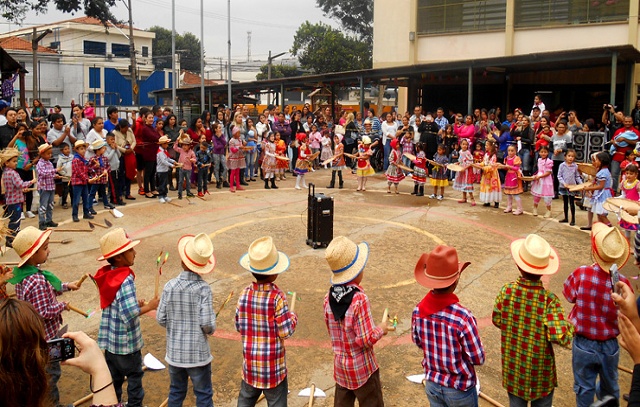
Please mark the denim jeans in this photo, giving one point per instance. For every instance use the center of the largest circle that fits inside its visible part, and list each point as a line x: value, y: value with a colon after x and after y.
x: 129, y: 366
x: 250, y: 157
x: 615, y: 174
x: 525, y: 156
x: 202, y: 179
x: 201, y: 380
x: 101, y: 189
x: 45, y: 208
x: 387, y: 151
x: 219, y: 167
x: 276, y: 397
x: 54, y: 371
x: 182, y: 176
x: 81, y: 192
x: 590, y: 360
x: 163, y: 181
x: 441, y: 396
x: 13, y: 212
x: 546, y: 401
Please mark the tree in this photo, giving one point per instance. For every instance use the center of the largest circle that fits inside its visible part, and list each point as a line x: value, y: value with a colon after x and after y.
x: 188, y: 44
x: 323, y: 49
x: 278, y: 71
x: 16, y: 10
x: 355, y: 16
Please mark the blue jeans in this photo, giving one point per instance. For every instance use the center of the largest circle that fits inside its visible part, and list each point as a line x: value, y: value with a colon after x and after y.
x: 203, y: 175
x: 45, y: 208
x: 590, y: 360
x: 441, y: 396
x: 615, y: 174
x: 201, y: 380
x: 101, y: 189
x: 546, y: 401
x: 219, y: 167
x: 525, y: 156
x: 387, y: 151
x: 54, y: 371
x: 182, y: 176
x: 13, y: 212
x: 250, y: 157
x: 129, y: 366
x: 276, y: 397
x: 81, y: 192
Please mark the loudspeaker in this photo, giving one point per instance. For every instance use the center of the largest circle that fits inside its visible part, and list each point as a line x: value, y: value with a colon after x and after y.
x: 597, y: 140
x: 587, y: 143
x: 319, y: 219
x: 580, y: 145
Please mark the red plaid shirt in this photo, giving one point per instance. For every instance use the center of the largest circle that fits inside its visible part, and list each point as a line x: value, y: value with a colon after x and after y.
x: 36, y: 290
x: 79, y: 171
x: 13, y: 186
x: 594, y: 314
x: 46, y: 175
x: 352, y: 339
x: 264, y: 321
x: 97, y: 166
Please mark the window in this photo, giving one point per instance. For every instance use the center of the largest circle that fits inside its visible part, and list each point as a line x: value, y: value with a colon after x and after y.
x: 447, y: 16
x: 145, y: 52
x: 120, y: 50
x: 94, y: 77
x: 55, y: 45
x: 537, y: 13
x: 95, y: 48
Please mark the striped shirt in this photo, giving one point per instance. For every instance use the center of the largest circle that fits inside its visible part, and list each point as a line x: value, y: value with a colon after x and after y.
x: 119, y: 331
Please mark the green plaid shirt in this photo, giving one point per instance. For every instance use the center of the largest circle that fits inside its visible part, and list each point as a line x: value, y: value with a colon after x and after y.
x: 530, y: 318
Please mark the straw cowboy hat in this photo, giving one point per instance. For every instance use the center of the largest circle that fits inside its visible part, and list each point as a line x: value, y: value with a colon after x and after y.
x: 440, y: 268
x: 80, y: 143
x: 98, y: 144
x: 185, y: 139
x: 534, y: 255
x: 114, y: 243
x: 28, y: 241
x: 8, y: 153
x: 263, y: 258
x: 44, y: 147
x: 366, y: 140
x: 196, y: 253
x: 339, y: 130
x: 164, y: 140
x: 346, y: 259
x: 608, y: 246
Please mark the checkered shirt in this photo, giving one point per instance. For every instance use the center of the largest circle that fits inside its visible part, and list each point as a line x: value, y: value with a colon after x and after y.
x: 97, y: 166
x: 352, y: 339
x: 36, y: 290
x: 451, y: 344
x: 13, y: 186
x: 46, y: 173
x: 186, y: 310
x: 79, y: 172
x: 407, y: 146
x: 119, y: 331
x: 594, y: 314
x: 530, y: 319
x: 264, y: 321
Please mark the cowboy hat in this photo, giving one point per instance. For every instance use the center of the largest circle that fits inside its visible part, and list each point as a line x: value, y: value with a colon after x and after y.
x: 185, y: 140
x: 440, y: 268
x: 98, y: 144
x: 339, y: 130
x: 263, y: 258
x: 366, y: 140
x: 114, y: 243
x: 608, y: 246
x: 196, y: 253
x: 44, y: 147
x: 164, y: 140
x: 346, y: 259
x: 28, y: 241
x: 80, y: 143
x: 534, y: 255
x: 8, y: 153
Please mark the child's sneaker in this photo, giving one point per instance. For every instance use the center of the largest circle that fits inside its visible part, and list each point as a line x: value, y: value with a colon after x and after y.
x: 162, y: 200
x: 167, y: 199
x: 22, y: 217
x: 432, y: 196
x: 200, y: 194
x: 30, y: 215
x: 42, y: 226
x: 179, y: 196
x: 190, y: 195
x: 547, y: 214
x: 517, y: 212
x: 535, y: 211
x: 440, y: 197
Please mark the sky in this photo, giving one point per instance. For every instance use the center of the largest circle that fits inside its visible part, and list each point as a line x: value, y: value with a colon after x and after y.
x: 272, y: 23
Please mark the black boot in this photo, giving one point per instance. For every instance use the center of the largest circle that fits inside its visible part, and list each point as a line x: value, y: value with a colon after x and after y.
x: 218, y: 185
x: 415, y: 189
x: 341, y: 183
x: 273, y: 182
x: 243, y: 181
x: 421, y: 193
x: 332, y: 184
x: 266, y: 183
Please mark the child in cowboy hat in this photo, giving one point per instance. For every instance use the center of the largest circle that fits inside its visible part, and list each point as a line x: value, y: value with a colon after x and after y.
x: 187, y: 158
x: 347, y: 313
x: 46, y: 186
x: 40, y: 288
x: 80, y: 181
x: 595, y: 347
x: 530, y: 319
x: 163, y: 164
x: 264, y: 320
x: 13, y: 187
x: 446, y: 331
x: 119, y: 334
x: 99, y: 170
x: 186, y: 310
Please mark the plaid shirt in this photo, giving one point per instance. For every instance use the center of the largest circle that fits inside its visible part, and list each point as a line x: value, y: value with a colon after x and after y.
x: 407, y: 146
x: 352, y: 339
x: 264, y: 321
x: 79, y: 171
x: 451, y: 344
x: 46, y: 173
x: 13, y: 186
x: 119, y: 331
x: 594, y: 314
x: 530, y: 319
x: 36, y: 290
x: 186, y: 310
x: 97, y: 167
x: 203, y: 158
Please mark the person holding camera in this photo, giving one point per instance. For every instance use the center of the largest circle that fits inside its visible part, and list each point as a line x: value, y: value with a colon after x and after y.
x: 524, y: 135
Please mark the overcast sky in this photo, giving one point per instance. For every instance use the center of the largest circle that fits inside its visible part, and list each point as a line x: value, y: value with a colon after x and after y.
x: 272, y: 23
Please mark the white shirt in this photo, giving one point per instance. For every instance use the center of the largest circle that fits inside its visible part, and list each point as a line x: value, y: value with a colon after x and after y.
x: 541, y: 106
x: 91, y: 137
x: 3, y: 120
x: 388, y: 131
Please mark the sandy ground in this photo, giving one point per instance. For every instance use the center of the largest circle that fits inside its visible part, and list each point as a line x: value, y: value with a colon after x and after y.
x: 398, y: 228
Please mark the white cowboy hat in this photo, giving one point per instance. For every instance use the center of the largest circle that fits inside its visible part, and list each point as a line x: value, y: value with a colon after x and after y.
x: 98, y: 144
x: 114, y: 243
x: 28, y: 241
x: 346, y: 259
x: 164, y: 140
x: 44, y: 147
x: 608, y: 246
x: 263, y: 258
x: 80, y: 143
x: 535, y: 255
x: 196, y: 253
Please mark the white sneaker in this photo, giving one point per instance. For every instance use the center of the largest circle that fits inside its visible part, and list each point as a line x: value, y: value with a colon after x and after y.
x: 440, y: 197
x: 167, y: 199
x: 298, y: 187
x: 30, y: 215
x: 22, y: 216
x: 162, y: 200
x: 432, y: 196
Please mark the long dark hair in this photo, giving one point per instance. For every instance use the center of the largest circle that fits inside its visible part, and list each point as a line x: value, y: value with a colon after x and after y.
x: 604, y: 158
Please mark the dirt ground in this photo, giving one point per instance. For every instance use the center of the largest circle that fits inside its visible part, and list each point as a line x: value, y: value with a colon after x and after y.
x: 398, y: 228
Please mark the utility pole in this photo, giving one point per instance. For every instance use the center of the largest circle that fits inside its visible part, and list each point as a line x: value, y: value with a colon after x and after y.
x: 174, y: 76
x: 35, y: 39
x: 132, y: 55
x: 220, y: 68
x: 248, y: 46
x: 202, y: 108
x: 229, y: 96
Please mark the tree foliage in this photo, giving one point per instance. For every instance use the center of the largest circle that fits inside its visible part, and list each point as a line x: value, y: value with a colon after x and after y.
x: 355, y: 16
x: 321, y: 49
x: 188, y: 44
x: 16, y: 10
x: 278, y: 71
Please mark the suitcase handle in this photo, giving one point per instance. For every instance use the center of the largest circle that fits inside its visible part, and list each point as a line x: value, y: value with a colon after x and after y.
x: 312, y: 189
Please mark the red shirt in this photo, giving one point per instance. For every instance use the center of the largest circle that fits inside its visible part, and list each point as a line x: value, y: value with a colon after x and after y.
x: 621, y: 151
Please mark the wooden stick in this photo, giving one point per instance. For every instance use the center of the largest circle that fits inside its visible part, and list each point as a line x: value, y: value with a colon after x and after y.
x: 157, y: 291
x: 174, y: 204
x: 83, y: 400
x: 385, y: 318
x: 78, y: 310
x: 625, y: 369
x: 224, y: 303
x: 63, y: 241
x: 165, y: 402
x: 72, y: 230
x: 84, y: 277
x: 99, y: 225
x: 489, y: 399
x: 293, y: 302
x: 312, y: 392
x: 262, y: 396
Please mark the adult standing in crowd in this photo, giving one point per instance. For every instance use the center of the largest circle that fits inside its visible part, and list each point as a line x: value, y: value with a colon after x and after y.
x: 80, y: 126
x: 9, y: 129
x: 624, y: 139
x: 560, y: 143
x: 149, y: 137
x: 389, y: 130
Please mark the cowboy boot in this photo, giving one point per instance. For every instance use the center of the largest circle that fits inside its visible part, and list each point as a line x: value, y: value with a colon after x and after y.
x: 421, y: 193
x: 332, y: 184
x: 273, y: 183
x: 341, y: 183
x: 266, y: 183
x: 415, y: 189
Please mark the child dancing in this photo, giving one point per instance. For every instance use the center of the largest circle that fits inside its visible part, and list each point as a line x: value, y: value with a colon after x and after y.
x: 542, y: 184
x: 512, y: 183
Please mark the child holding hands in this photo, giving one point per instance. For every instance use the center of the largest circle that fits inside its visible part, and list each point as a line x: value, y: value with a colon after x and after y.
x: 512, y: 182
x: 568, y: 175
x: 542, y: 184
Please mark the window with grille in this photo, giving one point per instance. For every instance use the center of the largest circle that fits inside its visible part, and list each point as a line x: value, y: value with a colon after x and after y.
x: 449, y: 16
x: 95, y: 48
x: 537, y: 13
x: 120, y: 50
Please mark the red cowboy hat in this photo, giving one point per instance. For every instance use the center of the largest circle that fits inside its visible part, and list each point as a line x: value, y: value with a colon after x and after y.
x: 440, y: 268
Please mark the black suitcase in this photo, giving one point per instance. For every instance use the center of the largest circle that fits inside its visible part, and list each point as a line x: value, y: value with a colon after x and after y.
x: 319, y: 219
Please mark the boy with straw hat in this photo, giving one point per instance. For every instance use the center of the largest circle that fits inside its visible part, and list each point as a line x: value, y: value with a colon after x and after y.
x: 163, y: 164
x: 79, y: 182
x: 119, y: 334
x: 530, y: 319
x: 264, y: 320
x: 186, y: 310
x: 347, y: 313
x: 40, y: 288
x: 446, y: 331
x: 13, y: 187
x: 595, y: 347
x: 46, y: 186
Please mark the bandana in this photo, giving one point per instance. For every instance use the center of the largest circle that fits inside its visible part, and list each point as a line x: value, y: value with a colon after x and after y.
x: 340, y: 297
x: 81, y: 158
x: 20, y: 273
x: 109, y: 280
x: 432, y: 303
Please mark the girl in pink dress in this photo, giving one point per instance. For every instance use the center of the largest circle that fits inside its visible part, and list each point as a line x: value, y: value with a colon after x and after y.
x: 631, y: 190
x: 512, y: 187
x: 465, y: 179
x: 542, y: 184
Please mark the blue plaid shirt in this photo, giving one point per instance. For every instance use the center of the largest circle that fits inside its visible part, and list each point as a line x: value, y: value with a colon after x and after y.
x: 186, y: 310
x: 203, y: 157
x: 119, y: 331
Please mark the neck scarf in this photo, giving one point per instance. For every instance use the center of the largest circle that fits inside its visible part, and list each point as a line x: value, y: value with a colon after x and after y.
x: 78, y: 156
x: 433, y: 303
x: 109, y: 280
x: 20, y: 273
x: 340, y: 297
